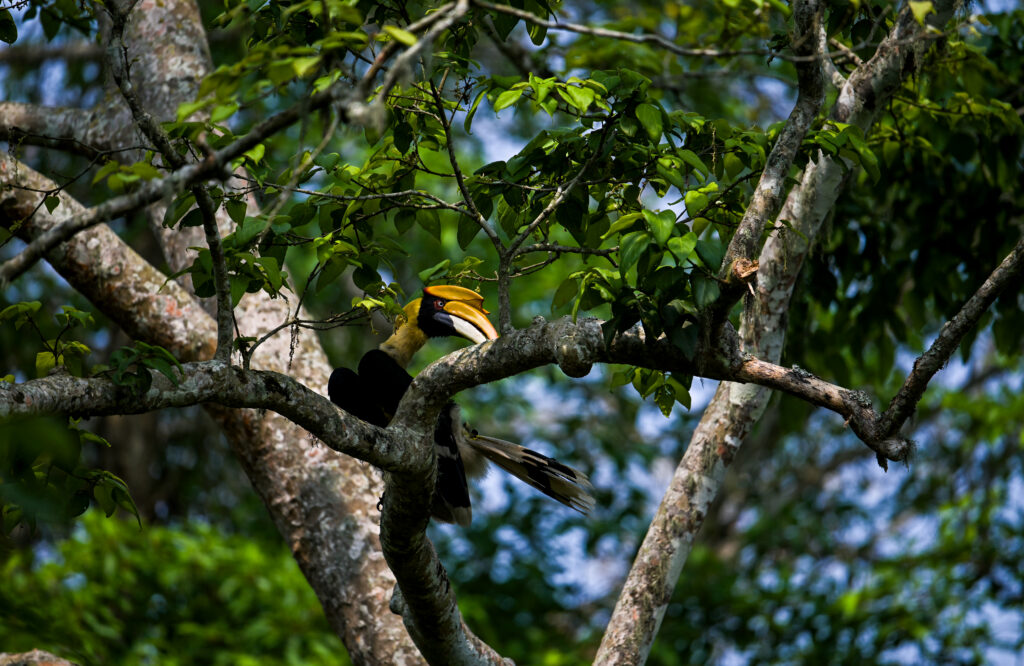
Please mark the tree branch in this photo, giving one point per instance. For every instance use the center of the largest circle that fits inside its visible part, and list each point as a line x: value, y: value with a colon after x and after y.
x: 767, y: 197
x: 61, y: 128
x: 905, y: 401
x: 654, y: 39
x: 736, y: 408
x: 29, y: 55
x: 120, y: 70
x: 208, y: 382
x: 473, y: 211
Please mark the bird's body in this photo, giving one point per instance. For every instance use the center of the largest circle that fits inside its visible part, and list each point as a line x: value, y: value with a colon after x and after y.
x: 373, y: 394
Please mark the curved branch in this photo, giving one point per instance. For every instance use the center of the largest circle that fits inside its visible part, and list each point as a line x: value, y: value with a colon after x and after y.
x: 202, y: 383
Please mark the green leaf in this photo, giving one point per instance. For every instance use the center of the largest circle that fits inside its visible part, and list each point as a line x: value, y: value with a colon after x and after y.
x: 472, y: 110
x: 507, y: 99
x: 711, y: 252
x: 404, y: 219
x: 695, y: 201
x: 186, y: 109
x: 238, y: 288
x: 8, y: 29
x: 733, y: 165
x: 223, y: 111
x: 661, y: 225
x: 632, y: 246
x: 435, y: 272
x: 255, y: 154
x: 194, y: 218
x: 304, y: 66
x: 45, y: 361
x: 51, y: 203
x: 468, y: 229
x: 565, y: 293
x: 705, y: 290
x: 101, y: 493
x: 621, y: 224
x: 649, y: 116
x: 399, y: 35
x: 691, y: 158
x: 665, y: 398
x: 20, y: 312
x: 921, y: 10
x: 236, y: 210
x: 537, y: 33
x: 431, y: 222
x: 435, y: 160
x: 682, y: 393
x: 107, y: 169
x: 581, y: 98
x: 682, y: 246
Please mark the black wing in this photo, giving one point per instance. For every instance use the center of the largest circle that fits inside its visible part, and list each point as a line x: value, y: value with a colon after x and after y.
x: 347, y: 390
x: 373, y: 396
x: 385, y: 379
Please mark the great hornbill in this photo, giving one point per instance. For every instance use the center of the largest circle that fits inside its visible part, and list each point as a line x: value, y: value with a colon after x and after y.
x: 374, y: 393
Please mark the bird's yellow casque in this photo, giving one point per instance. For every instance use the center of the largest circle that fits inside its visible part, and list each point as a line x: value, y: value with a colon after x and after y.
x: 374, y: 392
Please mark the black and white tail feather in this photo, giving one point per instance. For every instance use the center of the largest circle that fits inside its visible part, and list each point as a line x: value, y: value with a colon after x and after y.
x: 473, y: 450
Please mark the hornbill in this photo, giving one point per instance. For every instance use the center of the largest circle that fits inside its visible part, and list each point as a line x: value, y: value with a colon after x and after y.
x: 374, y: 393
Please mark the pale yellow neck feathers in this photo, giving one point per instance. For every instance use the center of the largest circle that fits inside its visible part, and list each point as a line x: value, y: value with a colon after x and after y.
x: 407, y: 338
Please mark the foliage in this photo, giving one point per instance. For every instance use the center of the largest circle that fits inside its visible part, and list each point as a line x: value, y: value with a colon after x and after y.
x: 164, y: 595
x: 625, y: 172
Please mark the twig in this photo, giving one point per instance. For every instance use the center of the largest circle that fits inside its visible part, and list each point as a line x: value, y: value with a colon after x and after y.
x: 474, y: 212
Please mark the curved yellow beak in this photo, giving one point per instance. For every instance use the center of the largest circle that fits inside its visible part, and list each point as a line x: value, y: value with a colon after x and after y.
x: 466, y: 308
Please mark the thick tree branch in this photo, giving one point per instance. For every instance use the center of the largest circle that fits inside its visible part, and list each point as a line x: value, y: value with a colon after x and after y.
x: 35, y: 54
x: 738, y: 266
x: 61, y: 128
x: 206, y: 382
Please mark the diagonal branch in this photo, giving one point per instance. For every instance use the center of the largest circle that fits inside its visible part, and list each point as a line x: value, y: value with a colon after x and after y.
x: 767, y: 197
x: 736, y: 408
x: 930, y: 362
x: 471, y: 208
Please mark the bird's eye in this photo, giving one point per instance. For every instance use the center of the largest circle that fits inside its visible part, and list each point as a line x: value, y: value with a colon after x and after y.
x: 439, y: 304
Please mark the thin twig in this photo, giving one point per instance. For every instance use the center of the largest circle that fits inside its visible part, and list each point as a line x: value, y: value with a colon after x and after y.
x: 474, y: 212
